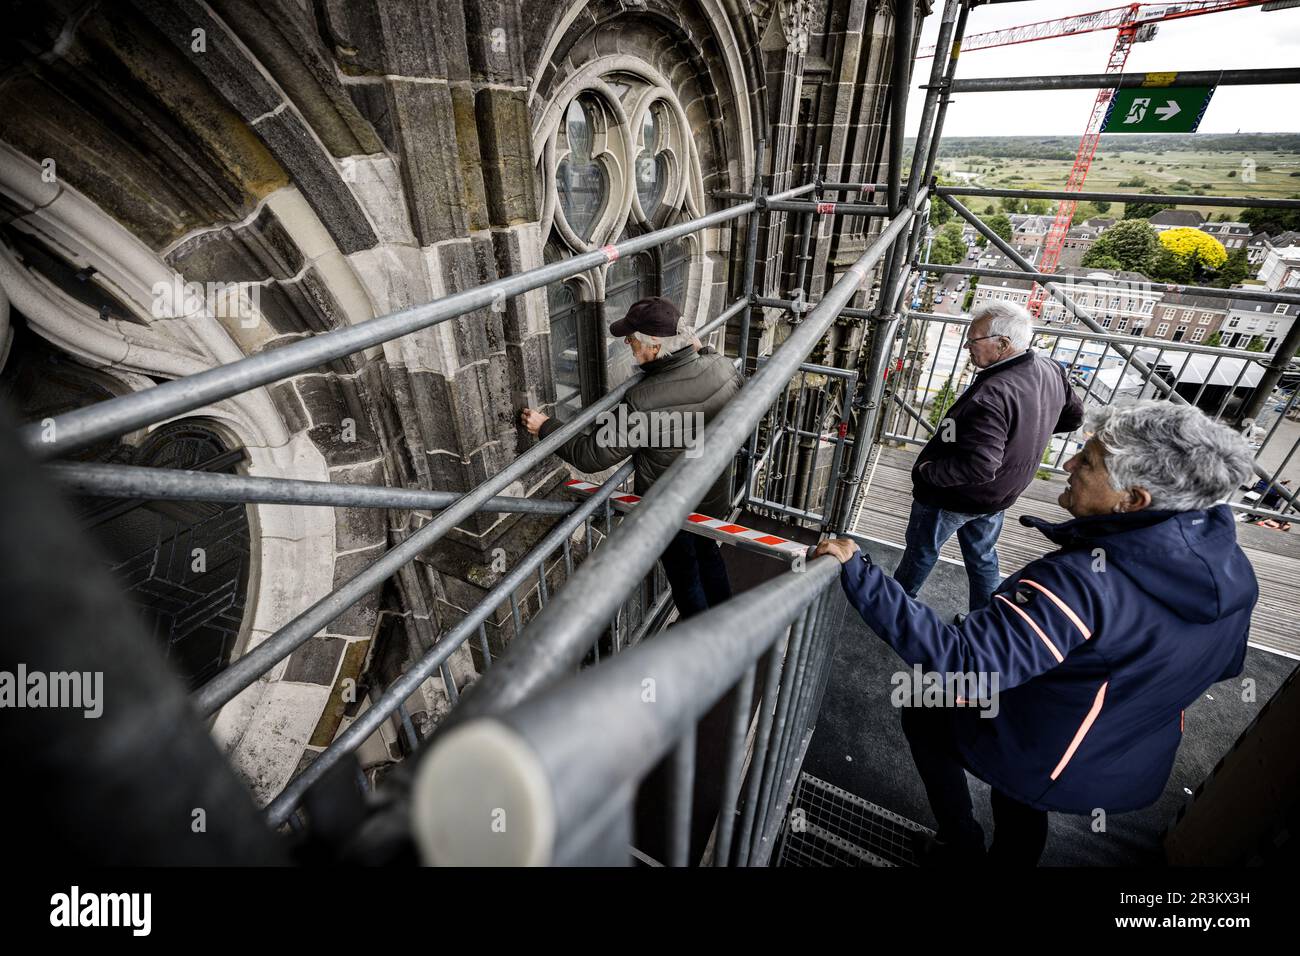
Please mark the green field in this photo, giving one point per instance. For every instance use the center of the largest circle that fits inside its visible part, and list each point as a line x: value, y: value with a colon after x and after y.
x: 1207, y: 171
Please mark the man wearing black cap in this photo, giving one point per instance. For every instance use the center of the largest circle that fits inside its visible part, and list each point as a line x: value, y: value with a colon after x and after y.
x: 656, y: 423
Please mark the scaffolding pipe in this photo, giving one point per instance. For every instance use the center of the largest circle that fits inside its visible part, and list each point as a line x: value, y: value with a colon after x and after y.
x: 1272, y: 373
x: 84, y: 427
x: 860, y: 187
x: 1120, y: 81
x: 824, y: 208
x: 1177, y: 200
x: 399, y: 691
x: 562, y: 633
x: 1210, y: 292
x: 751, y: 254
x: 176, y: 484
x: 1115, y: 338
x: 900, y: 78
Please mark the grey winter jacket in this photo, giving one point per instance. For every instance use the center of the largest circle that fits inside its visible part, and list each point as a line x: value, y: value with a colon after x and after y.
x: 684, y: 390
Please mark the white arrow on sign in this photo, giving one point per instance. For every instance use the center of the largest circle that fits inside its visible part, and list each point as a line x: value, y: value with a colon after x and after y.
x: 1168, y: 112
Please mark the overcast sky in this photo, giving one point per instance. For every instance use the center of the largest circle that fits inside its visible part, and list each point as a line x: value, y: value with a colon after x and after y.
x: 1231, y: 40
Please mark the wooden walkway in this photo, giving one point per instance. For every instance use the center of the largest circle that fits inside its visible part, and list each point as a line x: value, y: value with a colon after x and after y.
x: 1275, y: 555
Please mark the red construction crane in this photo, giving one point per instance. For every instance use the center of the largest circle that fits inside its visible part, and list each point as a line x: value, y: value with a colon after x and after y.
x: 1133, y: 23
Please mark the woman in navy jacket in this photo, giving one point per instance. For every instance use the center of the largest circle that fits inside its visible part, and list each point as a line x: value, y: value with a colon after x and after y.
x: 1094, y: 649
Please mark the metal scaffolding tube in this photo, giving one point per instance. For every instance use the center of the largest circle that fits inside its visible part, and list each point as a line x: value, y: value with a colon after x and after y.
x: 1120, y: 81
x: 1273, y: 370
x: 84, y: 427
x: 950, y: 74
x: 396, y: 694
x: 1117, y: 338
x: 791, y: 306
x: 1246, y: 295
x: 593, y: 736
x: 751, y: 255
x: 561, y: 633
x: 900, y: 78
x: 245, y: 670
x: 1182, y: 199
x: 825, y: 208
x: 725, y: 316
x: 175, y: 484
x: 860, y: 187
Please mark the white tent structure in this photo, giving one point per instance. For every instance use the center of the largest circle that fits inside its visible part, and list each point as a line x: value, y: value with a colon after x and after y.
x: 1188, y: 369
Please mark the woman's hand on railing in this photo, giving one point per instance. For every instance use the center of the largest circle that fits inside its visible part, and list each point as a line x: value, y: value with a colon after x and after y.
x: 533, y: 420
x: 841, y: 549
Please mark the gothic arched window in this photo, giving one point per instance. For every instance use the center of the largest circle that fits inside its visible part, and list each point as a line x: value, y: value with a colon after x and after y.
x: 615, y: 159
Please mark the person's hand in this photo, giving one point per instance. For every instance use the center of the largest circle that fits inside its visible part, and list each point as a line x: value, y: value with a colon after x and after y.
x: 841, y: 549
x: 533, y: 420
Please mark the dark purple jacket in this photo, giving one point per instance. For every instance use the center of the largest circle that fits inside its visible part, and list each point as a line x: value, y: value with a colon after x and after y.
x: 1000, y: 426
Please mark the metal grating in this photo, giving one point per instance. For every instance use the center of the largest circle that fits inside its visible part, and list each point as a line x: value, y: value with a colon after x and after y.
x: 837, y: 828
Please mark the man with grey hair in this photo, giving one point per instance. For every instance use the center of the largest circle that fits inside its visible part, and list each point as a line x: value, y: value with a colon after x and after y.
x: 986, y: 450
x: 662, y: 417
x: 1099, y: 645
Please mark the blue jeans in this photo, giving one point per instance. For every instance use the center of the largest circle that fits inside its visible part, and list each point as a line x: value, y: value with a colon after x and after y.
x: 927, y: 531
x: 698, y: 578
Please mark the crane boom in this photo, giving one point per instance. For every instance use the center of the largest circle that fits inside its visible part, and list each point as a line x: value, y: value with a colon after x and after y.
x: 1109, y: 19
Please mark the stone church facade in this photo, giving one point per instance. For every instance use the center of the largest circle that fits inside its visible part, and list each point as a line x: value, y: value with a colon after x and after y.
x: 313, y: 164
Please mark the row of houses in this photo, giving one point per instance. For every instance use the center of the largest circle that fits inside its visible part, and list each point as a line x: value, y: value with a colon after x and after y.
x: 1129, y: 303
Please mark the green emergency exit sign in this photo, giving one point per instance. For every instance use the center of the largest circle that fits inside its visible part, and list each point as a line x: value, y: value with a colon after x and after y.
x: 1144, y: 109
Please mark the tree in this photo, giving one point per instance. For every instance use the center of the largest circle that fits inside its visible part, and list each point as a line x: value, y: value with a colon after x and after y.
x: 1234, y: 271
x: 1037, y: 207
x: 948, y: 247
x: 1131, y: 243
x: 1256, y: 344
x: 940, y: 211
x: 1102, y: 205
x: 942, y: 402
x: 1144, y: 210
x: 1001, y: 225
x: 1198, y: 250
x: 1109, y: 263
x: 1272, y: 221
x: 1166, y: 266
x: 1214, y: 340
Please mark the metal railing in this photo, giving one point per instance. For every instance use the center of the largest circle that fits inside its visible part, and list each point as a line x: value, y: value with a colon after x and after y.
x: 798, y: 448
x: 563, y: 766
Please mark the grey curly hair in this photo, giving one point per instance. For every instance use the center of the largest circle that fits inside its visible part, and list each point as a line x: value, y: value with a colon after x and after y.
x: 1183, y: 458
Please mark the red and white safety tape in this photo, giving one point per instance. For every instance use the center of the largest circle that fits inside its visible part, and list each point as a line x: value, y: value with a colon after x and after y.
x: 714, y: 528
